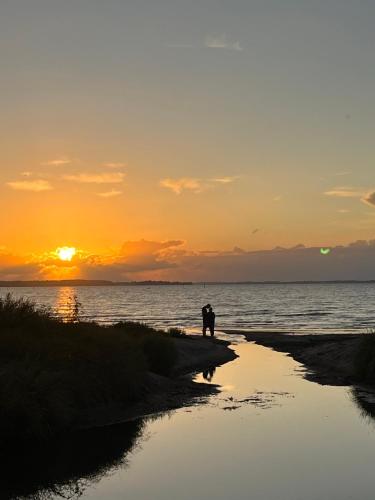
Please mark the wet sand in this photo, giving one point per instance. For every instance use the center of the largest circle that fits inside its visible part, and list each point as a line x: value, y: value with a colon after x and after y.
x: 327, y: 358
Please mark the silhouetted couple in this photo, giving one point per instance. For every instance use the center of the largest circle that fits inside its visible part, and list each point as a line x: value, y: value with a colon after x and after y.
x: 208, y: 320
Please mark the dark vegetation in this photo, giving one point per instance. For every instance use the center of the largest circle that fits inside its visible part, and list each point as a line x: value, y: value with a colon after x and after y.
x: 52, y: 370
x: 365, y: 359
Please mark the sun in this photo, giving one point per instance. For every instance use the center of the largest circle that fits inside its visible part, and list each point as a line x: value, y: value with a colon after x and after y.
x: 66, y: 253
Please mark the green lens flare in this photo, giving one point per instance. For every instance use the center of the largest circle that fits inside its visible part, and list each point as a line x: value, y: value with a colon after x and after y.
x: 325, y: 251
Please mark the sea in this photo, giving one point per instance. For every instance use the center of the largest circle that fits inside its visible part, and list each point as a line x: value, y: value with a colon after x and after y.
x: 315, y: 308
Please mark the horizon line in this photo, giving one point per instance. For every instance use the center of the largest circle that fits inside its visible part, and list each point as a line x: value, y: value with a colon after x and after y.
x: 92, y: 282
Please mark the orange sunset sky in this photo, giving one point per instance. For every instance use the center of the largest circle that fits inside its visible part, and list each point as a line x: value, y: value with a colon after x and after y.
x: 187, y: 140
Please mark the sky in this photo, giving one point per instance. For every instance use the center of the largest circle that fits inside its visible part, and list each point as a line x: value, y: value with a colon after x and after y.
x: 170, y: 139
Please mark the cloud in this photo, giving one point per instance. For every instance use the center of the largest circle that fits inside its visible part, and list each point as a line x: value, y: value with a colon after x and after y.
x: 194, y: 184
x: 20, y: 272
x: 146, y: 247
x: 222, y: 42
x: 114, y: 165
x: 135, y: 260
x: 87, y: 178
x: 349, y: 192
x: 351, y: 262
x: 369, y: 199
x: 35, y: 186
x: 344, y: 192
x: 183, y: 184
x: 58, y: 162
x: 14, y: 267
x: 171, y: 260
x: 225, y: 180
x: 109, y: 194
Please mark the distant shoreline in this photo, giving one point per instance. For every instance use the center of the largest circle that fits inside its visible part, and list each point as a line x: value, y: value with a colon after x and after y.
x: 46, y: 283
x: 58, y: 283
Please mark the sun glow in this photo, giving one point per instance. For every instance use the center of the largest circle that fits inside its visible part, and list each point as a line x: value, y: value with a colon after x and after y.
x: 66, y: 253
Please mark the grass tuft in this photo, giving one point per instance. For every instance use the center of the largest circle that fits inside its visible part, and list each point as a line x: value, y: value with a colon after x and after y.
x: 176, y: 332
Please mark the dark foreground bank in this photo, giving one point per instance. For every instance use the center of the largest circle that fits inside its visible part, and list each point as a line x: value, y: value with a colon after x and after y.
x: 57, y: 376
x: 161, y: 393
x: 332, y: 359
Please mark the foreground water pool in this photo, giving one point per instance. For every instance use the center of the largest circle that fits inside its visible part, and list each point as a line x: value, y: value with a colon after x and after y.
x: 269, y: 435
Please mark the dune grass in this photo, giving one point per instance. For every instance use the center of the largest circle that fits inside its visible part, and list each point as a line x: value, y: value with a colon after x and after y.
x: 51, y: 371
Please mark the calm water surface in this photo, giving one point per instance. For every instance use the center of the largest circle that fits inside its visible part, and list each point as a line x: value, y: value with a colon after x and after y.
x: 269, y: 435
x: 315, y: 308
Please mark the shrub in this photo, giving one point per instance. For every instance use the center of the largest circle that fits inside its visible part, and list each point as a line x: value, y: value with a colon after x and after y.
x: 176, y: 332
x: 15, y: 312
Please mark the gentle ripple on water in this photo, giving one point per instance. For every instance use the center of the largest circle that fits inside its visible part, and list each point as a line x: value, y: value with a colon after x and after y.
x: 298, y: 308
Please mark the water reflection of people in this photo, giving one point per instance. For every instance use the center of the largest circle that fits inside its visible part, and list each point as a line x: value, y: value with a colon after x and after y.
x: 209, y: 373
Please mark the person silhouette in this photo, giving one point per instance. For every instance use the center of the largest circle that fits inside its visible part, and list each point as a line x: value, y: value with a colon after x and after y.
x: 205, y: 318
x: 211, y: 321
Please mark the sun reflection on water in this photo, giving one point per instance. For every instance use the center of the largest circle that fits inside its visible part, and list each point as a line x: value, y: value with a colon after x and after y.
x: 63, y: 303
